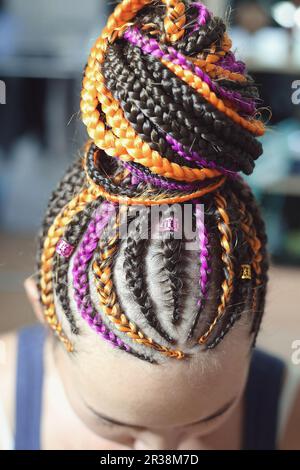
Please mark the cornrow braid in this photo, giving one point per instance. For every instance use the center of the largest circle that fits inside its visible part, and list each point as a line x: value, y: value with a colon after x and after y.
x: 72, y: 235
x: 226, y: 243
x: 254, y: 249
x: 205, y: 270
x: 204, y: 232
x: 70, y: 184
x: 133, y: 265
x: 242, y: 288
x: 172, y: 252
x: 259, y: 248
x: 232, y: 320
x: 102, y: 268
x: 171, y: 248
x: 55, y: 233
x: 81, y: 285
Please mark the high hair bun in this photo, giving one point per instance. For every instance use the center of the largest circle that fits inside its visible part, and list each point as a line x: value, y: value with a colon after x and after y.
x: 170, y: 114
x: 164, y: 95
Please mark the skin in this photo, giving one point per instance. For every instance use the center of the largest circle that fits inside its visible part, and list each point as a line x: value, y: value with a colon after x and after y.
x: 160, y: 403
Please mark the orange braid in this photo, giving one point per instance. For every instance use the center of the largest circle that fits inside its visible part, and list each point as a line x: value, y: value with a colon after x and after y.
x: 215, y: 71
x: 214, y: 55
x: 124, y: 143
x: 256, y: 127
x: 174, y: 20
x: 121, y: 140
x: 226, y: 242
x: 248, y: 228
x: 247, y: 225
x: 55, y: 232
x: 108, y: 297
x: 156, y: 199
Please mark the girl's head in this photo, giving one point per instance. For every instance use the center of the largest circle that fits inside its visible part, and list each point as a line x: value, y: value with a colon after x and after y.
x: 152, y: 260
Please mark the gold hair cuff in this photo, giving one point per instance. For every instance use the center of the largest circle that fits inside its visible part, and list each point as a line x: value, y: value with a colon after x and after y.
x: 246, y: 272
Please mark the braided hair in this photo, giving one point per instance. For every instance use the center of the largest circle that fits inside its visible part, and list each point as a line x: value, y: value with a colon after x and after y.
x: 173, y: 121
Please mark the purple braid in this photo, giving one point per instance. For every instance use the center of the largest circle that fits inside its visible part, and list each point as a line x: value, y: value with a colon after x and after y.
x: 229, y: 62
x: 195, y: 157
x: 204, y: 254
x: 151, y: 46
x: 80, y: 275
x: 139, y: 175
x: 204, y: 14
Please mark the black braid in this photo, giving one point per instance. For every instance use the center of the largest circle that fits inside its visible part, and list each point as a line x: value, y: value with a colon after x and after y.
x: 247, y: 196
x: 152, y: 134
x: 173, y: 266
x: 200, y: 40
x: 155, y: 15
x: 136, y: 248
x: 172, y: 252
x: 194, y: 103
x: 102, y: 177
x: 106, y: 243
x: 242, y: 288
x: 193, y: 43
x: 212, y: 233
x: 140, y: 98
x: 227, y: 265
x: 232, y: 320
x: 151, y: 113
x: 247, y: 89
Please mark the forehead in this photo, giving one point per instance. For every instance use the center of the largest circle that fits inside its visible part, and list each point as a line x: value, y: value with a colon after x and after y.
x: 124, y: 388
x: 174, y: 392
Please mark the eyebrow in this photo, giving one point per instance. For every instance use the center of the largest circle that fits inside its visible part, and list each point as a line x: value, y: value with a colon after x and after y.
x: 216, y: 414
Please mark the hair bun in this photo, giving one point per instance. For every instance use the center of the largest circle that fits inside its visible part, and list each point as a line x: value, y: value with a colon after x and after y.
x: 165, y: 95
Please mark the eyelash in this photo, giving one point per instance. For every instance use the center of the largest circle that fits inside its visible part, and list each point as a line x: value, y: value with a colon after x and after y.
x: 107, y: 423
x: 115, y: 425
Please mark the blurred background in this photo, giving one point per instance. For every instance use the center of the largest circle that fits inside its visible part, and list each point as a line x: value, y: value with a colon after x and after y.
x: 43, y: 49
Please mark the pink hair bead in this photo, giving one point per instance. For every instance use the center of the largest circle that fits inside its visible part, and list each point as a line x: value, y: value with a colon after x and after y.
x: 64, y: 249
x: 170, y: 224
